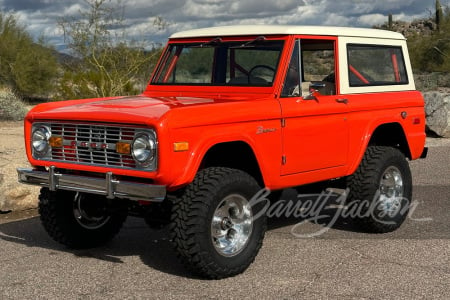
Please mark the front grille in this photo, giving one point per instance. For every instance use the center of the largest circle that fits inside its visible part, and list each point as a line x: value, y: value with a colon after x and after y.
x: 92, y: 144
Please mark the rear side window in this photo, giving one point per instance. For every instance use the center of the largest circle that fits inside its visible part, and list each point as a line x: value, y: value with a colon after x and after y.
x: 372, y: 65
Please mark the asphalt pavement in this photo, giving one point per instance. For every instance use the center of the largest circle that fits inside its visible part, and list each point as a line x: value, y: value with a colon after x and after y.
x: 333, y: 263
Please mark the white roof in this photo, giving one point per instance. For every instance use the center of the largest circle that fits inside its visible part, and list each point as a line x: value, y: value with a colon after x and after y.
x: 287, y: 29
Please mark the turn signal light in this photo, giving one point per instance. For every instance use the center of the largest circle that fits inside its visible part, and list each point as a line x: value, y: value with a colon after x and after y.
x: 181, y: 146
x: 56, y: 141
x: 123, y: 148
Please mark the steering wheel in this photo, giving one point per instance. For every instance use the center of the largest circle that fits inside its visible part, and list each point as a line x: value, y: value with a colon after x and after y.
x: 260, y: 67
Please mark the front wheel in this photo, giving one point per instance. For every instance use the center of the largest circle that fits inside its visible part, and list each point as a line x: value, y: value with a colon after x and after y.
x: 80, y: 220
x: 215, y: 228
x: 380, y: 190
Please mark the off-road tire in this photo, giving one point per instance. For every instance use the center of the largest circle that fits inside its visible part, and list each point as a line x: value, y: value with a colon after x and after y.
x: 191, y: 222
x: 57, y: 216
x: 365, y: 185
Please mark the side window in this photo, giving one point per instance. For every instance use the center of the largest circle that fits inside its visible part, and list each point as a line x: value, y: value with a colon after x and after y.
x: 372, y: 65
x: 319, y: 65
x: 315, y: 71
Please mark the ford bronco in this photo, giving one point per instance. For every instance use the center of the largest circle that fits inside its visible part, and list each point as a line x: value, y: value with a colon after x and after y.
x: 229, y: 111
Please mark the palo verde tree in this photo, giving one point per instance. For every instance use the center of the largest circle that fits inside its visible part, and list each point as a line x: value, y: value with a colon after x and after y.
x: 108, y: 62
x: 27, y: 67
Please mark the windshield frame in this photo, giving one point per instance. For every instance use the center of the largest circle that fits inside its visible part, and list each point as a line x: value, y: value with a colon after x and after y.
x: 161, y: 74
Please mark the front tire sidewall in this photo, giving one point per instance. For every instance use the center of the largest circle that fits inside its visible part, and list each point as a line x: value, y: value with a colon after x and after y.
x: 192, y: 216
x: 251, y: 246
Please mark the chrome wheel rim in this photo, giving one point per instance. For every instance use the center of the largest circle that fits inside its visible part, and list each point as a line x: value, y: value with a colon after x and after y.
x: 232, y: 225
x: 391, y: 191
x: 88, y: 215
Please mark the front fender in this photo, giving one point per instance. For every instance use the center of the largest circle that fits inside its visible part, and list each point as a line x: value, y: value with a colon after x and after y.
x: 183, y: 166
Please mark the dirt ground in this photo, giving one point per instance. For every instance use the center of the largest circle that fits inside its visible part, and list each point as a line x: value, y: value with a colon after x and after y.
x: 13, y: 195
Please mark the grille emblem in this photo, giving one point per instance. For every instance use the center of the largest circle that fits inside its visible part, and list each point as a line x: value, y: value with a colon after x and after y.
x: 97, y: 136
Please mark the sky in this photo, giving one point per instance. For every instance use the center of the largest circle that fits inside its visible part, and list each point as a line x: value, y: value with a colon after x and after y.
x: 41, y: 16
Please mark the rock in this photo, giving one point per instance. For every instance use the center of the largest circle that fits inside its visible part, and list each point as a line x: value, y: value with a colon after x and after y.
x: 18, y: 193
x: 437, y: 109
x: 14, y: 195
x: 19, y: 198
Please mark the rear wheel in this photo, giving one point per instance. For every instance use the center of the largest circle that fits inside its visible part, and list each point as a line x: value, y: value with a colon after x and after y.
x: 382, y: 188
x: 80, y: 220
x: 215, y: 228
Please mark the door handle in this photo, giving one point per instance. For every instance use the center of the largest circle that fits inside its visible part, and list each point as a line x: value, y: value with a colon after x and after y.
x: 342, y: 100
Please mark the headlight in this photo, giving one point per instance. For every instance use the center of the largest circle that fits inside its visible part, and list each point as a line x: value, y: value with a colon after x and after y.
x: 144, y: 148
x: 40, y: 140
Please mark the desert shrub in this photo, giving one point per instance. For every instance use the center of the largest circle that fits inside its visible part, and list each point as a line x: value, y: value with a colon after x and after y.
x: 12, y: 108
x: 28, y: 67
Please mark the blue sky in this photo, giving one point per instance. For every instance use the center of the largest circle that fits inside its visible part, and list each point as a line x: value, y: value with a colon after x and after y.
x: 40, y: 16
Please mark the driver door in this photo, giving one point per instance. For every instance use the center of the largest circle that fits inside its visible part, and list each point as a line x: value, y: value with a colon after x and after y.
x: 315, y: 132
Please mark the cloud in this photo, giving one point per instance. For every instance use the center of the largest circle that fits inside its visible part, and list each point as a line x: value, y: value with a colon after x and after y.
x: 30, y: 5
x: 264, y: 6
x: 41, y: 16
x: 372, y: 19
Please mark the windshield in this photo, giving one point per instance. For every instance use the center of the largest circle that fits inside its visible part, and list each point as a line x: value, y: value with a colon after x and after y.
x: 243, y: 63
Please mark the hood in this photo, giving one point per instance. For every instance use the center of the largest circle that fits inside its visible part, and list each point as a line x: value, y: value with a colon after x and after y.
x: 135, y: 109
x: 144, y: 110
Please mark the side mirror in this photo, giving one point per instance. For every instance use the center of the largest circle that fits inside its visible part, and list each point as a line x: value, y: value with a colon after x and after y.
x: 310, y: 96
x: 314, y: 90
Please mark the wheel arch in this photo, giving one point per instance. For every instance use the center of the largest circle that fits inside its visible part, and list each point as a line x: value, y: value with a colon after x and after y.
x: 387, y: 134
x: 393, y: 135
x: 236, y: 155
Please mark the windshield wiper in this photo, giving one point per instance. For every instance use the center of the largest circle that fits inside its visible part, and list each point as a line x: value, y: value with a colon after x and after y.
x: 258, y: 40
x: 214, y: 42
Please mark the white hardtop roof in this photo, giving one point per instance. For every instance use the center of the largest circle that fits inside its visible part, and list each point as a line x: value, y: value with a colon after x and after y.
x: 286, y: 30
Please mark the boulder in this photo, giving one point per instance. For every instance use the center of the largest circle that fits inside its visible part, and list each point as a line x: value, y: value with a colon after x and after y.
x: 18, y: 198
x: 14, y: 195
x: 437, y: 109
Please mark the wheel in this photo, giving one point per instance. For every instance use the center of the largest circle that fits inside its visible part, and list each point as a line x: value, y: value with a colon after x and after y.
x: 80, y: 220
x: 381, y: 189
x: 216, y: 230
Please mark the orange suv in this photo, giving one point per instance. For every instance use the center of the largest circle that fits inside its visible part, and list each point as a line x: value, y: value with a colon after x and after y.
x: 229, y: 111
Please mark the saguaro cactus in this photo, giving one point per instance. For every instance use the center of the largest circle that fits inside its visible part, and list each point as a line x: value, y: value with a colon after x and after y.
x: 439, y: 14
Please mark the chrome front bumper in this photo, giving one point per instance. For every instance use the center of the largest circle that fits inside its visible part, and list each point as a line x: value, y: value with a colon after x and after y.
x: 108, y: 186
